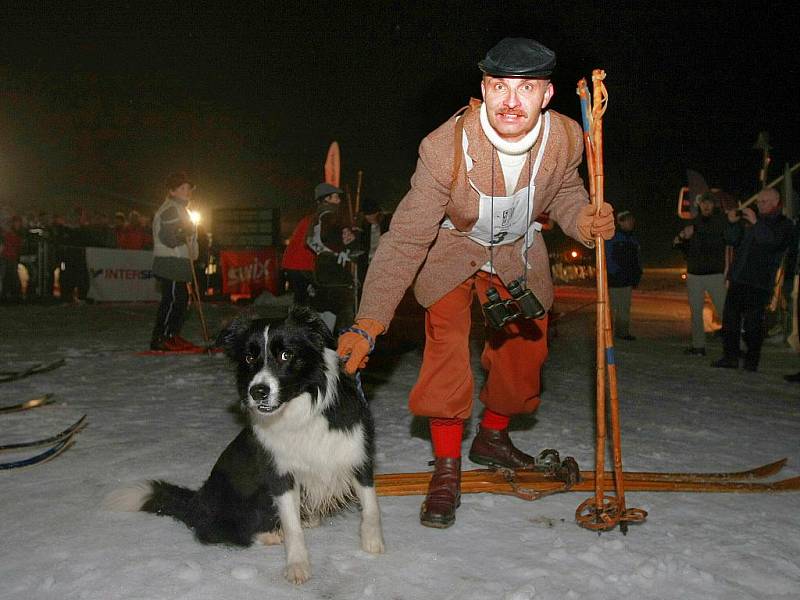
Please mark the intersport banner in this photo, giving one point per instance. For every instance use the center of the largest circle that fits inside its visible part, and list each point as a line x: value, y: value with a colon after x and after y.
x: 121, y: 275
x: 249, y: 272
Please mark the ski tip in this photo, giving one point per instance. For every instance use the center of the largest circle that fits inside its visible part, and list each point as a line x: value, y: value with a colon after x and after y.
x: 79, y: 424
x: 786, y: 485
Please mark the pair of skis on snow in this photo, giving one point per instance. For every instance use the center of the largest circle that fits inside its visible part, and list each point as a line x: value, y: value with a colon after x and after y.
x: 57, y: 443
x: 531, y: 485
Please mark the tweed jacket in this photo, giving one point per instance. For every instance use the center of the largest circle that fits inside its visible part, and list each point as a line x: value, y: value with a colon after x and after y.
x: 417, y: 251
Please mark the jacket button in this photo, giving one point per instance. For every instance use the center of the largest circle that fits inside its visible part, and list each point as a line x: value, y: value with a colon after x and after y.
x: 473, y: 264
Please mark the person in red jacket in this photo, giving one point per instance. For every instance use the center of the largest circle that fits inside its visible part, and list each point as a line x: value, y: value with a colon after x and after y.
x: 10, y: 249
x: 298, y: 261
x: 134, y: 235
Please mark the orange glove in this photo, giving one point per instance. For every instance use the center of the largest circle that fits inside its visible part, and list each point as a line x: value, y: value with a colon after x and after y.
x: 357, y: 342
x: 591, y: 225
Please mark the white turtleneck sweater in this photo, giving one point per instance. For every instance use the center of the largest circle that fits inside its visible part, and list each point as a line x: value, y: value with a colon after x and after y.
x: 511, y: 154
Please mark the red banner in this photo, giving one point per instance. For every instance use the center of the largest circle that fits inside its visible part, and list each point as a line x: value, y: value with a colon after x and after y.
x: 249, y: 272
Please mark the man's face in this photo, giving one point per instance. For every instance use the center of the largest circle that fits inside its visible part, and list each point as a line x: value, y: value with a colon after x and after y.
x: 333, y: 199
x: 513, y: 104
x: 768, y: 201
x: 627, y: 224
x: 706, y: 208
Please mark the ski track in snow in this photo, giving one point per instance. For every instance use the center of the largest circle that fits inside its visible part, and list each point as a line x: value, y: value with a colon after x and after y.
x: 170, y: 417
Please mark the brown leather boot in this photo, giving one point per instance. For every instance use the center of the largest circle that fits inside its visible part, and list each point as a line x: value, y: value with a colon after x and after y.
x: 444, y: 494
x: 493, y: 448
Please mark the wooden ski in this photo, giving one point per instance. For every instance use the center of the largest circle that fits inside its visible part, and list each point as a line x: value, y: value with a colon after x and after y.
x: 533, y: 484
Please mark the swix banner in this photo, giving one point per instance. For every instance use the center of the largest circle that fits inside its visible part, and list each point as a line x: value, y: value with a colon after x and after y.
x: 249, y: 272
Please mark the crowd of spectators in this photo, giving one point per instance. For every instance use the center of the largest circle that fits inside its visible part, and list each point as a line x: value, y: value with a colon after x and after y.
x: 63, y: 238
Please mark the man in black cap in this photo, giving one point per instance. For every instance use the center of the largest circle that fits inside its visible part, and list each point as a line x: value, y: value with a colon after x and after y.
x: 468, y: 228
x: 331, y: 237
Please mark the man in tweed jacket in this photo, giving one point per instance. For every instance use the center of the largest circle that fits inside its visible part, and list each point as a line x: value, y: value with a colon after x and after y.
x: 467, y: 225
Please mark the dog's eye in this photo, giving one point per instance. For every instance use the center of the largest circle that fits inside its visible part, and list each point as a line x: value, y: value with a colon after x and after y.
x: 285, y: 356
x: 249, y: 359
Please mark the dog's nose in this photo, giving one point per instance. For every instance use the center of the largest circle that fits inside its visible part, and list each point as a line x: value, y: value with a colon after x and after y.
x: 259, y: 393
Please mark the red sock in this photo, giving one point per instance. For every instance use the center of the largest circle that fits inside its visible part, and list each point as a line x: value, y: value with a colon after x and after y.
x: 493, y: 420
x: 446, y: 437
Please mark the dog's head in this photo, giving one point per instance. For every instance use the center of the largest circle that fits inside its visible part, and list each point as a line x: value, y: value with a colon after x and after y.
x: 279, y: 361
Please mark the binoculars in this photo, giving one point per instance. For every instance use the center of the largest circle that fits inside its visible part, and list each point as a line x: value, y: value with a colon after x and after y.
x: 523, y: 303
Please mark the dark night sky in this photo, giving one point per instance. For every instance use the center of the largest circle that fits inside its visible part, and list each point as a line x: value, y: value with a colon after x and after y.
x: 249, y: 98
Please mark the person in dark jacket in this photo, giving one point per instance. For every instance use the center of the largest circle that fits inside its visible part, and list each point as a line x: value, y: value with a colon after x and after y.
x: 624, y: 267
x: 335, y: 244
x: 792, y: 269
x: 703, y: 244
x: 373, y: 225
x: 759, y: 241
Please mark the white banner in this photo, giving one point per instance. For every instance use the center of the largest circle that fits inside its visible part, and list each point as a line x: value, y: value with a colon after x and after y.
x: 121, y: 275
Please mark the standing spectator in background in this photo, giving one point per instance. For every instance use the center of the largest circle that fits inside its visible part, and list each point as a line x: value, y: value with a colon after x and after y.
x: 69, y: 249
x: 298, y: 261
x: 703, y: 244
x: 759, y: 241
x: 373, y: 226
x: 333, y: 240
x: 133, y: 235
x: 100, y: 232
x: 792, y: 269
x: 624, y: 266
x: 174, y: 248
x: 120, y: 229
x: 10, y: 248
x: 139, y: 235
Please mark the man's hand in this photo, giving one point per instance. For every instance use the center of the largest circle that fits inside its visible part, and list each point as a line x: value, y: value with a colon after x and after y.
x: 749, y: 215
x: 357, y: 342
x: 590, y: 225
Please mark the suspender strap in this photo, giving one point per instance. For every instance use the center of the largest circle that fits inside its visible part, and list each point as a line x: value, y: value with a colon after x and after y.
x: 474, y: 104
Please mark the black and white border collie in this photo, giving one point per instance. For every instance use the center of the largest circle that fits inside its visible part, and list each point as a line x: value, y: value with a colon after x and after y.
x: 307, y: 451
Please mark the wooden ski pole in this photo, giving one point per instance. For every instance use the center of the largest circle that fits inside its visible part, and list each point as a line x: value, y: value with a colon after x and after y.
x: 354, y: 265
x: 196, y: 288
x: 358, y: 191
x: 772, y: 183
x: 600, y: 359
x: 603, y: 512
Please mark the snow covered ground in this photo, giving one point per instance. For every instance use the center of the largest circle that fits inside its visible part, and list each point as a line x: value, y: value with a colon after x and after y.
x: 169, y: 417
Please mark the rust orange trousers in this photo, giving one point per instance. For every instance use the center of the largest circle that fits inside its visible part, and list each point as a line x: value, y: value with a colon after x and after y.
x: 512, y: 357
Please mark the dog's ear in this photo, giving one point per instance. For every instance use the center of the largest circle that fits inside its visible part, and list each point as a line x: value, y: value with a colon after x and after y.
x: 231, y: 337
x: 305, y: 317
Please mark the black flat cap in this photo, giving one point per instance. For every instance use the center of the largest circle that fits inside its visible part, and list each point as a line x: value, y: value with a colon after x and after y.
x: 325, y: 189
x: 518, y: 57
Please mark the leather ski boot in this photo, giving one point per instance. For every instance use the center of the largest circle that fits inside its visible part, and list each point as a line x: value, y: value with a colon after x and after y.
x: 493, y: 448
x: 444, y: 494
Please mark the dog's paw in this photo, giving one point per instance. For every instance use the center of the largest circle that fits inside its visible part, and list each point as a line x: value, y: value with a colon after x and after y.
x: 270, y: 538
x: 298, y: 572
x: 372, y: 541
